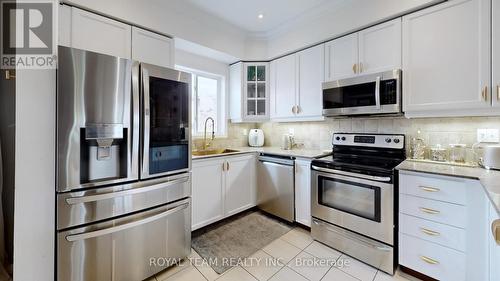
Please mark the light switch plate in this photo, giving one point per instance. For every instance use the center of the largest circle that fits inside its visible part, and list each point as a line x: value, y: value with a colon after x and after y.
x: 487, y: 135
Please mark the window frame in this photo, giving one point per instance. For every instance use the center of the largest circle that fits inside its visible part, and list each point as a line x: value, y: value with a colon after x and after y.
x: 221, y: 118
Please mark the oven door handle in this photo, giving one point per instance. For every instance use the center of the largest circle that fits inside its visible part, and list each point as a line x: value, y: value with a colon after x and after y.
x: 350, y: 237
x: 368, y: 177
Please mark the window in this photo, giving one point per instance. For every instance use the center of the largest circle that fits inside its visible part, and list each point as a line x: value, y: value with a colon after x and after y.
x: 208, y: 100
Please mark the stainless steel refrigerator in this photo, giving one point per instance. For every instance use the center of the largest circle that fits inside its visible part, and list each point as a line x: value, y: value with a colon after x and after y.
x: 123, y: 167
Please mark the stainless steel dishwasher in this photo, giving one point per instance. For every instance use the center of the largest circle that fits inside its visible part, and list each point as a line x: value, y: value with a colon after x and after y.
x: 276, y: 183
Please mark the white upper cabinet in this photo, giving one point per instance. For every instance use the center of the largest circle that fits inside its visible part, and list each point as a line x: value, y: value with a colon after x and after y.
x: 380, y: 47
x: 285, y: 87
x: 152, y: 48
x: 64, y: 35
x: 296, y: 86
x: 249, y: 92
x: 446, y: 60
x: 374, y: 49
x: 310, y: 76
x: 341, y: 57
x: 100, y: 34
x: 495, y: 53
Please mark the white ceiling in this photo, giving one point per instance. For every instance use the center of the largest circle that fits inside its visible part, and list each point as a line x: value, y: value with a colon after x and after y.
x: 243, y: 13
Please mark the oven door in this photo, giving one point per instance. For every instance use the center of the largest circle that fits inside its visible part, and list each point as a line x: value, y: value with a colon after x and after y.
x: 359, y: 204
x: 369, y: 94
x: 166, y: 115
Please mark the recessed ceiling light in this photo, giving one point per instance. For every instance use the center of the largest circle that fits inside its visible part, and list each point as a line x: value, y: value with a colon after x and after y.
x: 260, y: 16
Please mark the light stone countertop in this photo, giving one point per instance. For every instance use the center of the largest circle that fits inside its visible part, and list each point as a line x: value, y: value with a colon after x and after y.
x: 298, y: 153
x: 489, y: 179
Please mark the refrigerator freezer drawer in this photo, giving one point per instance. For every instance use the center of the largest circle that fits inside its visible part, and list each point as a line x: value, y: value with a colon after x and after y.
x: 122, y: 249
x: 88, y: 206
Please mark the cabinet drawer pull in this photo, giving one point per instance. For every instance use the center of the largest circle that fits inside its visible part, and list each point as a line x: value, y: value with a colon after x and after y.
x: 429, y: 211
x: 495, y: 228
x: 360, y: 67
x: 429, y: 232
x: 355, y: 68
x: 429, y: 260
x: 429, y: 189
x: 498, y: 92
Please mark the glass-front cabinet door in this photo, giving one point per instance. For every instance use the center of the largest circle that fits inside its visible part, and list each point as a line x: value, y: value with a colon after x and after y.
x: 256, y: 91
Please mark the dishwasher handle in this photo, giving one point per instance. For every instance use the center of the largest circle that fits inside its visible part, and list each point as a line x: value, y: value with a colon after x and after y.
x: 277, y: 160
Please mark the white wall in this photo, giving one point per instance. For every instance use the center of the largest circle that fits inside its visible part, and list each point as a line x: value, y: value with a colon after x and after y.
x: 351, y: 15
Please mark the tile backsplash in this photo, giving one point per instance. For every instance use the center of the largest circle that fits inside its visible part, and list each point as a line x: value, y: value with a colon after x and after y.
x: 317, y: 135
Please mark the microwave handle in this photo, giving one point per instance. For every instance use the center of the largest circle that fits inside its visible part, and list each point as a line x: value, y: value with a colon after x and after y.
x: 377, y: 92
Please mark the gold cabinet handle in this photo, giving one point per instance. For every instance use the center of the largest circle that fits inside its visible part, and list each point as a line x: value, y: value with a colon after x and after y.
x: 495, y: 228
x: 429, y: 211
x: 298, y: 109
x: 224, y: 167
x: 293, y: 109
x: 429, y: 188
x: 227, y: 166
x: 9, y: 75
x: 429, y: 232
x: 484, y: 93
x: 498, y: 92
x: 355, y: 68
x: 429, y: 260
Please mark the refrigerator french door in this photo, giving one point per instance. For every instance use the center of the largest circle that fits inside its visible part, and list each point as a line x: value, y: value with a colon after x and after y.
x: 166, y: 121
x: 114, y: 211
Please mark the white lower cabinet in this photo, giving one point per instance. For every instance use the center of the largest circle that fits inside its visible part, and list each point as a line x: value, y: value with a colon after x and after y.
x: 207, y: 192
x: 493, y: 246
x: 221, y: 187
x: 442, y: 233
x: 303, y: 192
x: 240, y: 191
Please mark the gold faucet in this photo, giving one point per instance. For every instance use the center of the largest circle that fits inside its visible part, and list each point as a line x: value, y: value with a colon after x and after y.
x: 205, y: 144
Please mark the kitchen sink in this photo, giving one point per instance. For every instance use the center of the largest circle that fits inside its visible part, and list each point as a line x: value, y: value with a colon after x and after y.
x: 213, y: 151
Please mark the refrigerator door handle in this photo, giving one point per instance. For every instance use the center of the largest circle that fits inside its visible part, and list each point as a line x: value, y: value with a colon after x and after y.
x: 135, y: 127
x: 115, y: 194
x: 146, y: 121
x: 106, y: 231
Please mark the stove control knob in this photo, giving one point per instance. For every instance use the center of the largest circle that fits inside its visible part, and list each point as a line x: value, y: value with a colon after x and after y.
x: 343, y: 138
x: 396, y: 140
x: 388, y: 140
x: 337, y: 138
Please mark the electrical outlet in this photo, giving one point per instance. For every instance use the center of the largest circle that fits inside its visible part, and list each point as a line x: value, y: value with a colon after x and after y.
x: 245, y: 132
x: 487, y: 135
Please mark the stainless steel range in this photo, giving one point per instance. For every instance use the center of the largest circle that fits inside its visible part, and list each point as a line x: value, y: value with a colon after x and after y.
x: 123, y: 167
x: 353, y: 204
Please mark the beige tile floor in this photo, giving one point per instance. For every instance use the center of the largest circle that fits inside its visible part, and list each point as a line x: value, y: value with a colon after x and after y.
x: 292, y: 257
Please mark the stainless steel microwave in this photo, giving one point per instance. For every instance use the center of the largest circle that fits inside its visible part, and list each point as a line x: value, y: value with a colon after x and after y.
x: 377, y: 93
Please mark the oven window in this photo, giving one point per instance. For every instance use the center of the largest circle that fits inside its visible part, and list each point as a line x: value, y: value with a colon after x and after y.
x: 354, y: 198
x: 350, y: 96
